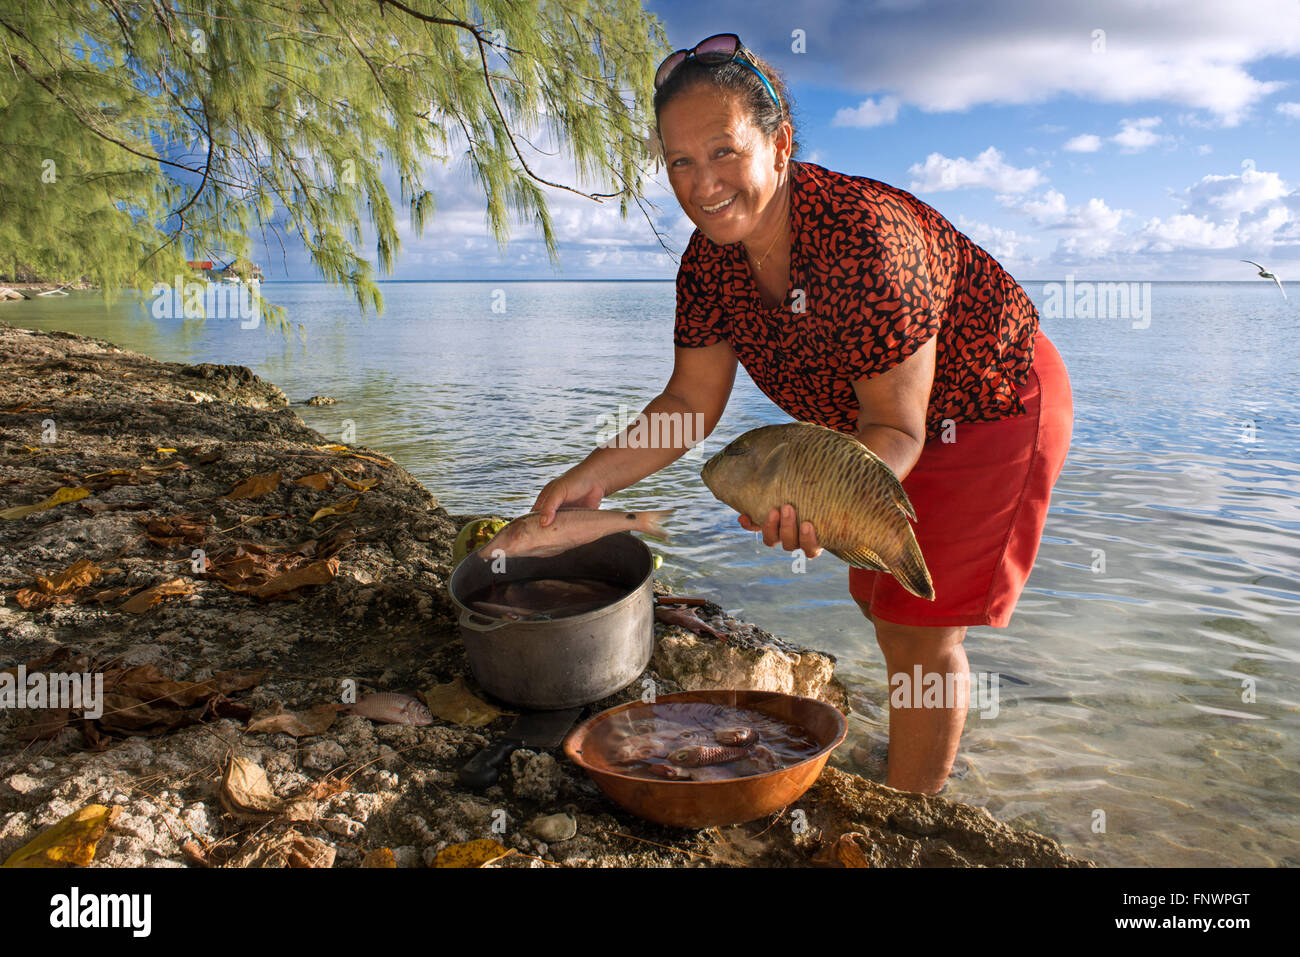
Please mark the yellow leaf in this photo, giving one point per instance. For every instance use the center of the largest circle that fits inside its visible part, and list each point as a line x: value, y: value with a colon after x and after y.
x: 456, y: 703
x: 360, y: 486
x: 471, y: 854
x: 139, y: 604
x: 70, y: 843
x: 333, y: 447
x: 61, y: 497
x: 379, y: 857
x: 342, y: 508
x: 162, y: 450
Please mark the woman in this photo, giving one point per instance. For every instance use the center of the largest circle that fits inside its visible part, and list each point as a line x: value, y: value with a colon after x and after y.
x: 854, y: 305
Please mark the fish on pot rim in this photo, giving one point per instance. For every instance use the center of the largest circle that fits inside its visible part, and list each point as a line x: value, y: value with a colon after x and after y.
x: 525, y: 537
x: 854, y: 501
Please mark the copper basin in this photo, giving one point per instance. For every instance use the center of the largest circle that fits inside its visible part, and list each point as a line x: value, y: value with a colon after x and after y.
x: 697, y: 804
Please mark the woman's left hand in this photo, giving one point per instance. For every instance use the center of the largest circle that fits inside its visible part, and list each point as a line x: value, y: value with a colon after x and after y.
x: 783, y: 526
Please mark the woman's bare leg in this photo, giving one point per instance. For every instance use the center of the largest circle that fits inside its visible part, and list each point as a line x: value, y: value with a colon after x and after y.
x: 923, y: 741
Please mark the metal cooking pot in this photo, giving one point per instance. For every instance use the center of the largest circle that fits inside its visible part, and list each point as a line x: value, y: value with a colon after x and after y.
x: 548, y: 665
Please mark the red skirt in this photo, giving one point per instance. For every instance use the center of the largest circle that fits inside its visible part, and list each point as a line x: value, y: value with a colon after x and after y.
x: 981, y: 502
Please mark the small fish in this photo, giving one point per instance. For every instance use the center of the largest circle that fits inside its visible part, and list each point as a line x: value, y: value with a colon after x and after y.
x: 760, y: 760
x: 711, y: 774
x: 545, y: 594
x: 736, y: 737
x: 670, y: 771
x: 685, y: 619
x: 526, y: 538
x: 702, y: 755
x: 493, y: 610
x: 854, y: 501
x: 389, y: 708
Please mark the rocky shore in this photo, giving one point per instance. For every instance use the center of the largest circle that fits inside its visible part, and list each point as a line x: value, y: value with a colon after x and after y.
x: 223, y: 564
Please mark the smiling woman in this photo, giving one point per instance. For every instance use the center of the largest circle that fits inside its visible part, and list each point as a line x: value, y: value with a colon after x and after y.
x: 856, y: 306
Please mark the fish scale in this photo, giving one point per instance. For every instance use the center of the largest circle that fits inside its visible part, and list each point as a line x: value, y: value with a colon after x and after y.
x: 854, y: 501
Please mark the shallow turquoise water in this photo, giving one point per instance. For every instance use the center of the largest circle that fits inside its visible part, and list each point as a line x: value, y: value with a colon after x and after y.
x: 1121, y: 688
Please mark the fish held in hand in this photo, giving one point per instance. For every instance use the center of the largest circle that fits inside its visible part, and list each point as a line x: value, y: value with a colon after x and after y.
x: 525, y: 537
x: 854, y: 501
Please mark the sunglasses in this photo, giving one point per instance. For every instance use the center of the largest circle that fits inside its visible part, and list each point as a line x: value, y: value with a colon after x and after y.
x: 719, y: 48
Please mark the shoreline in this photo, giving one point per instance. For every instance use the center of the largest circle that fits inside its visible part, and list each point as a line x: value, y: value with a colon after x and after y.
x: 154, y: 441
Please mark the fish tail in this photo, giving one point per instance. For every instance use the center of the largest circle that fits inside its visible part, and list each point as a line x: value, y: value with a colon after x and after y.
x: 910, y: 570
x: 653, y: 523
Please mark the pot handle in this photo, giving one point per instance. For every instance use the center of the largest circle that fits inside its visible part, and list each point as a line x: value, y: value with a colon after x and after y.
x: 467, y: 621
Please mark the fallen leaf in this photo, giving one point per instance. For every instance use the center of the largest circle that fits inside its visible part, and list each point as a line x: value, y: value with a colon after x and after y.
x: 111, y: 594
x: 849, y: 850
x: 149, y: 685
x: 70, y: 843
x: 254, y: 487
x: 171, y: 530
x: 168, y: 467
x: 139, y: 604
x: 128, y: 715
x: 320, y: 481
x: 45, y: 723
x: 246, y: 793
x: 341, y: 508
x: 61, y: 497
x: 317, y: 573
x: 316, y: 721
x: 470, y: 854
x: 361, y: 486
x: 289, y: 849
x: 379, y: 857
x: 456, y: 703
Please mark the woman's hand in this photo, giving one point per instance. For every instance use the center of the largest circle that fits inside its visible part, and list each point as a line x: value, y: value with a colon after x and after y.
x: 580, y: 487
x: 783, y: 525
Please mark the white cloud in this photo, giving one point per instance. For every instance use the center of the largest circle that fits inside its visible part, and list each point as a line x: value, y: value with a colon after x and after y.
x: 1136, y: 135
x: 1233, y: 195
x: 1001, y: 243
x: 1289, y: 109
x: 1204, y: 149
x: 868, y: 113
x: 1083, y: 143
x: 1091, y: 230
x: 1197, y: 54
x: 988, y: 171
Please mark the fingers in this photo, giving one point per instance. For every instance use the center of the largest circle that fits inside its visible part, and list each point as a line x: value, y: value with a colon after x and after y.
x: 783, y: 526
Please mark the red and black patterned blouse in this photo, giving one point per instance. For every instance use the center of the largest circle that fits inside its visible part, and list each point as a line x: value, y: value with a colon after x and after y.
x: 877, y: 272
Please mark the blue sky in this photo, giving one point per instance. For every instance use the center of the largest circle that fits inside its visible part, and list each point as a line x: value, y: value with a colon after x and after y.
x: 1165, y: 146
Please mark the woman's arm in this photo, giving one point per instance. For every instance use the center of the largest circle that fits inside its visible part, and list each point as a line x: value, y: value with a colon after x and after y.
x: 892, y: 407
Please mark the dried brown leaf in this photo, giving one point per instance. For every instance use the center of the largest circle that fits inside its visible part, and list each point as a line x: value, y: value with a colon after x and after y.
x: 142, y: 602
x: 254, y: 487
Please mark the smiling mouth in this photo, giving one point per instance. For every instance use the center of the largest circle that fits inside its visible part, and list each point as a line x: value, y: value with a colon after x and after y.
x: 718, y: 208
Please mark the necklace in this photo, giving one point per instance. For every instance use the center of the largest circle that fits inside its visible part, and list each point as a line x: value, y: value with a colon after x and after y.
x: 759, y: 260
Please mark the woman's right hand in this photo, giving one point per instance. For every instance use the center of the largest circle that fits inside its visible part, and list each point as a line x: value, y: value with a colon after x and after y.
x: 580, y: 487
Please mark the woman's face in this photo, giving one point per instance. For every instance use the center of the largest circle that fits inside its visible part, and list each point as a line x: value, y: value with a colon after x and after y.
x: 721, y: 166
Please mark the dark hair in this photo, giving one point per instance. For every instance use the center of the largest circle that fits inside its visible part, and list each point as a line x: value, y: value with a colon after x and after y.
x: 735, y: 77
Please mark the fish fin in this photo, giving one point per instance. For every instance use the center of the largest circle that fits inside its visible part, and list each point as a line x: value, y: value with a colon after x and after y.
x: 911, y: 572
x: 654, y: 527
x: 896, y: 491
x: 860, y: 558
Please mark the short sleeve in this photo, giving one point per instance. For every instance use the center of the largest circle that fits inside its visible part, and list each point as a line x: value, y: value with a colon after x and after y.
x: 701, y: 318
x: 889, y: 313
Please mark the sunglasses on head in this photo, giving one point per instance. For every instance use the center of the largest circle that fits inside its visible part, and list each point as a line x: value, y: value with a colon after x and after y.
x: 719, y: 48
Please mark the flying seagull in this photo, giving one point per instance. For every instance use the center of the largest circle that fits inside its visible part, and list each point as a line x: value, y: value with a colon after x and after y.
x: 1265, y: 274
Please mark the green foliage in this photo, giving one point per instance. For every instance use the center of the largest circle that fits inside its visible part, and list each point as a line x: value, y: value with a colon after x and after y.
x: 137, y: 134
